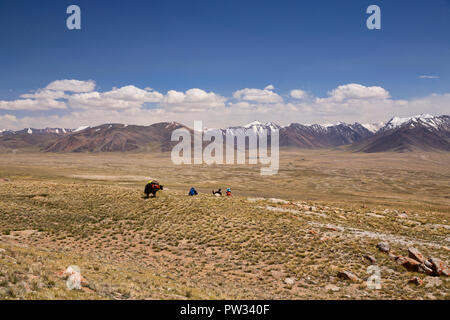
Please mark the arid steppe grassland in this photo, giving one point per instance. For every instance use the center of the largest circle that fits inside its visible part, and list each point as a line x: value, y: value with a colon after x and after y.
x: 334, y: 207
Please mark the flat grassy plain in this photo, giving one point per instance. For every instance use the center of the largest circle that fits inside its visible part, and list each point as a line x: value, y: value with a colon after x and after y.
x: 87, y: 210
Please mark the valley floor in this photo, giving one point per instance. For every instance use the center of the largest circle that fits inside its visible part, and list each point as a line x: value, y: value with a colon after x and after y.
x: 282, y: 237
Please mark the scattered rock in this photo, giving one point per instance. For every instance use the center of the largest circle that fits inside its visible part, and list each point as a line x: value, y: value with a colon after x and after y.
x: 383, y: 247
x: 428, y: 264
x: 416, y: 255
x: 424, y: 269
x: 416, y: 280
x: 332, y: 287
x: 371, y: 259
x: 440, y: 267
x: 289, y: 281
x: 275, y: 200
x: 347, y: 275
x: 408, y: 263
x: 254, y: 199
x: 313, y: 232
x: 2, y: 250
x: 431, y: 282
x: 387, y: 270
x: 392, y: 256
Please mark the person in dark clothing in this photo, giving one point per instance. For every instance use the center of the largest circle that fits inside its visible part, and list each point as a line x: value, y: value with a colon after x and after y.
x: 152, y: 187
x: 218, y: 192
x: 193, y: 192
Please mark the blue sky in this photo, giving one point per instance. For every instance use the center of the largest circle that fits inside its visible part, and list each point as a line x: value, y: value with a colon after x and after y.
x: 225, y: 46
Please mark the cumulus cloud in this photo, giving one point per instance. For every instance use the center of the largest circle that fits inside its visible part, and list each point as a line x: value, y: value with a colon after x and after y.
x: 354, y: 91
x: 192, y: 100
x: 257, y: 95
x: 132, y: 105
x: 32, y: 104
x: 298, y: 94
x: 72, y: 85
x: 118, y: 98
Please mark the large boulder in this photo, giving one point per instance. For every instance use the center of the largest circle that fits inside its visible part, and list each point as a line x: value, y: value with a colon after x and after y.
x: 439, y: 267
x: 416, y: 255
x: 408, y: 263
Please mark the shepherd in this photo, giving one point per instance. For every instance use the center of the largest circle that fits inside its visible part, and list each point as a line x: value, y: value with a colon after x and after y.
x: 152, y: 187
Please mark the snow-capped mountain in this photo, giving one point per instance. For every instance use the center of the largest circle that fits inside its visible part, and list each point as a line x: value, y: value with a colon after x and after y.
x: 423, y: 132
x: 322, y: 136
x: 426, y: 120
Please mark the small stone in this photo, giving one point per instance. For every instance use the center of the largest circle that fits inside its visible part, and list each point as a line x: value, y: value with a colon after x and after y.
x: 347, y: 275
x: 371, y: 259
x: 416, y: 280
x: 289, y: 281
x: 392, y: 256
x: 383, y: 247
x: 416, y: 255
x: 385, y: 269
x: 332, y: 287
x: 313, y: 232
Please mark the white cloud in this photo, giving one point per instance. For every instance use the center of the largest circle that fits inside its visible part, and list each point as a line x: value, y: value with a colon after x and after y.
x: 428, y: 77
x: 118, y: 98
x: 72, y: 85
x: 354, y: 91
x: 44, y: 94
x: 192, y: 100
x: 348, y: 102
x: 298, y: 94
x: 32, y: 105
x: 258, y: 95
x: 269, y: 87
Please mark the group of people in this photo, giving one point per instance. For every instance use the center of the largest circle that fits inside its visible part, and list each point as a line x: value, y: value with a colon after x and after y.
x: 217, y: 193
x: 153, y: 186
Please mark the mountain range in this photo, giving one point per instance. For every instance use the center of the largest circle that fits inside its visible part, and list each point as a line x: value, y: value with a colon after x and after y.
x: 421, y: 132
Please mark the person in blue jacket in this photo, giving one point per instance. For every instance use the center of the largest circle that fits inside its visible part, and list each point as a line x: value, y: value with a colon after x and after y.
x: 193, y: 192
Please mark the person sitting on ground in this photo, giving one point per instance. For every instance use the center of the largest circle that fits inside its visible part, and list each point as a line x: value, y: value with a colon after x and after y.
x: 229, y: 192
x: 193, y: 192
x: 217, y: 193
x: 152, y: 187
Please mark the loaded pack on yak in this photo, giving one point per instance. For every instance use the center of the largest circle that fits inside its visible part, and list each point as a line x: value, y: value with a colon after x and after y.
x: 152, y: 187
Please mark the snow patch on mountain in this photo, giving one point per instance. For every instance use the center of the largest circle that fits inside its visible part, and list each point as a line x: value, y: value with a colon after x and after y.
x: 397, y: 122
x: 80, y: 128
x: 373, y: 127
